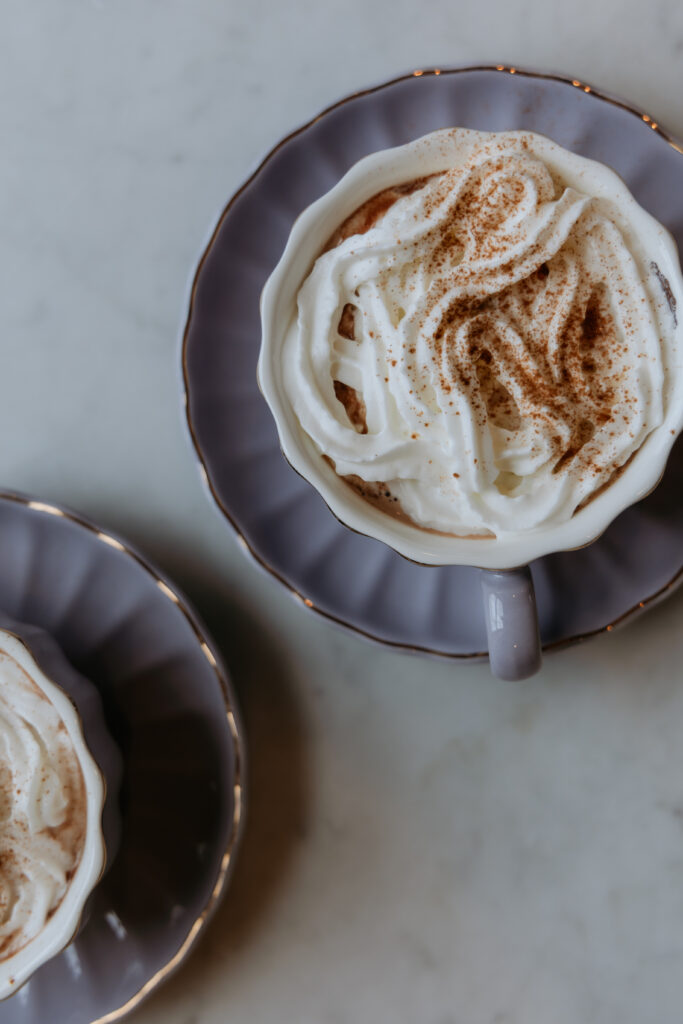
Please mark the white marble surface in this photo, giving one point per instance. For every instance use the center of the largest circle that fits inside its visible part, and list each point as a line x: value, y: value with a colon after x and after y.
x: 424, y: 844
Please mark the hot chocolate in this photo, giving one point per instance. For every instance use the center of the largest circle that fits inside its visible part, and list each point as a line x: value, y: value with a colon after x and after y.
x: 43, y: 807
x: 483, y: 350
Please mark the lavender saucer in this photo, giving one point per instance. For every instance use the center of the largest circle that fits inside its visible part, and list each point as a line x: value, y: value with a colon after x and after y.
x: 351, y: 579
x: 171, y: 711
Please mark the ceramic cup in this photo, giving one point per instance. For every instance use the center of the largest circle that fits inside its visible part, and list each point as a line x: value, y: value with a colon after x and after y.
x: 507, y: 588
x: 78, y: 704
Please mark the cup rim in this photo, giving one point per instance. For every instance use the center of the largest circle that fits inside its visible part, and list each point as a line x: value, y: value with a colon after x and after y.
x: 63, y: 925
x: 640, y: 476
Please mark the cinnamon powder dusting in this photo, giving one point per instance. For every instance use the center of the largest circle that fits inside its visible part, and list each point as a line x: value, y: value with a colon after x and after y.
x: 576, y: 383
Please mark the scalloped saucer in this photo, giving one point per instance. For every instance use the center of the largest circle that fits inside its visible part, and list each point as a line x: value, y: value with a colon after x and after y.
x: 170, y: 708
x: 351, y: 579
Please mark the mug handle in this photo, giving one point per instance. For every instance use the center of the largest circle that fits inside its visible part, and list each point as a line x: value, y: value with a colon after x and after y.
x: 511, y: 622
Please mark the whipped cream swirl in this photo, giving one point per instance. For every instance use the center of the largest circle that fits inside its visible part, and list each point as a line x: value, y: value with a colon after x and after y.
x: 42, y: 808
x: 480, y: 346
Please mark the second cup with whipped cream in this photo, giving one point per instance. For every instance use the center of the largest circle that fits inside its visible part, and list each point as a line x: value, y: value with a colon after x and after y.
x: 59, y: 777
x: 471, y: 348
